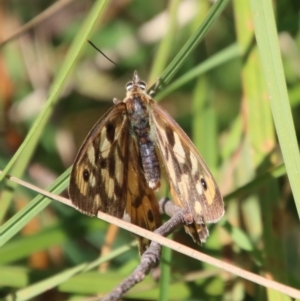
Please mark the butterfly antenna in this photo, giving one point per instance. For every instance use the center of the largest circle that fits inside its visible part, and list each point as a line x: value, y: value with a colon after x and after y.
x: 93, y: 45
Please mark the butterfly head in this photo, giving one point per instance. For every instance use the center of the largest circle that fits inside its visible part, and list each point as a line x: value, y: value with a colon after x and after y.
x: 136, y: 84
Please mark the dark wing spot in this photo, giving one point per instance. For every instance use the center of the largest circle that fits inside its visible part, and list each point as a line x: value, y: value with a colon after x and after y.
x: 110, y: 132
x: 86, y: 175
x: 170, y: 135
x: 136, y: 202
x: 111, y: 167
x: 203, y: 182
x: 103, y: 164
x: 166, y: 154
x: 197, y: 174
x: 118, y: 190
x: 142, y: 224
x: 150, y: 216
x: 176, y: 165
x: 96, y: 149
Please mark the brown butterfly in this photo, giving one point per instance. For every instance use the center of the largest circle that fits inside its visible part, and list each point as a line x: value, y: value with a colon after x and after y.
x: 118, y: 167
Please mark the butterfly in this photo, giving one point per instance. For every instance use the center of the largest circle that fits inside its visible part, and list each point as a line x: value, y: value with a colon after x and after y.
x: 119, y: 166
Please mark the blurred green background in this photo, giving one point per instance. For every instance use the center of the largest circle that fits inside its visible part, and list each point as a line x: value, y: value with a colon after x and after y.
x: 219, y: 96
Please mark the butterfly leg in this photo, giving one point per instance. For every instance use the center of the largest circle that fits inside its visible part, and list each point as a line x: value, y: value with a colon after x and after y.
x: 157, y: 84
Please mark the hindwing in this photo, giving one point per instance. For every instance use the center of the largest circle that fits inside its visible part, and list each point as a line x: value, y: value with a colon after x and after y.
x: 141, y: 204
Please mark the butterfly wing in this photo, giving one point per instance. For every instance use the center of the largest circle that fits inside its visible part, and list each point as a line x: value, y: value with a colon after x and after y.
x: 98, y: 178
x: 107, y: 175
x: 192, y: 184
x: 141, y: 203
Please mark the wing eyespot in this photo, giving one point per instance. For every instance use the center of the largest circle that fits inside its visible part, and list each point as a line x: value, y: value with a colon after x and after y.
x: 86, y: 175
x: 204, y: 184
x: 150, y: 216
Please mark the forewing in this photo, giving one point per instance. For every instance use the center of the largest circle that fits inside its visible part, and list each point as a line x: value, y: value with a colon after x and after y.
x: 193, y: 184
x: 141, y: 204
x: 98, y: 178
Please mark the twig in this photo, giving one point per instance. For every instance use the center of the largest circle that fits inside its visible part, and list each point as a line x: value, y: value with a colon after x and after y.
x: 151, y: 257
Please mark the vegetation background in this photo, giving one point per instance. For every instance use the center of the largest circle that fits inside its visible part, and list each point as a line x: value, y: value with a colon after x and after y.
x: 54, y: 86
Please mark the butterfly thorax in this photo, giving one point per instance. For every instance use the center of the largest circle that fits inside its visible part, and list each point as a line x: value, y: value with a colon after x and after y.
x: 137, y: 104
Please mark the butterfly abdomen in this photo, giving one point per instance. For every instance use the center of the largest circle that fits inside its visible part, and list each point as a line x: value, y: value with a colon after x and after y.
x: 139, y: 119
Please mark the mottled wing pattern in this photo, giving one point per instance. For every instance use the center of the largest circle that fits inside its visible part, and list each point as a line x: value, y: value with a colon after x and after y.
x: 198, y: 231
x: 192, y: 185
x: 107, y: 175
x: 141, y: 204
x: 98, y: 178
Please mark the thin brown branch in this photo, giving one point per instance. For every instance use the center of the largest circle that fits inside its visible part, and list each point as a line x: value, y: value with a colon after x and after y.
x: 151, y: 257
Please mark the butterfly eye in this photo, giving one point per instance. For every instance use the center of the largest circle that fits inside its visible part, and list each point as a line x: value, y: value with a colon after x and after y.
x: 129, y: 86
x: 142, y: 85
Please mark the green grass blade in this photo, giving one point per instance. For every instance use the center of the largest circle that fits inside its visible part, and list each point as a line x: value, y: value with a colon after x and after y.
x: 193, y: 41
x: 20, y: 219
x: 165, y: 46
x: 53, y: 281
x: 214, y: 61
x: 267, y: 41
x: 165, y: 278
